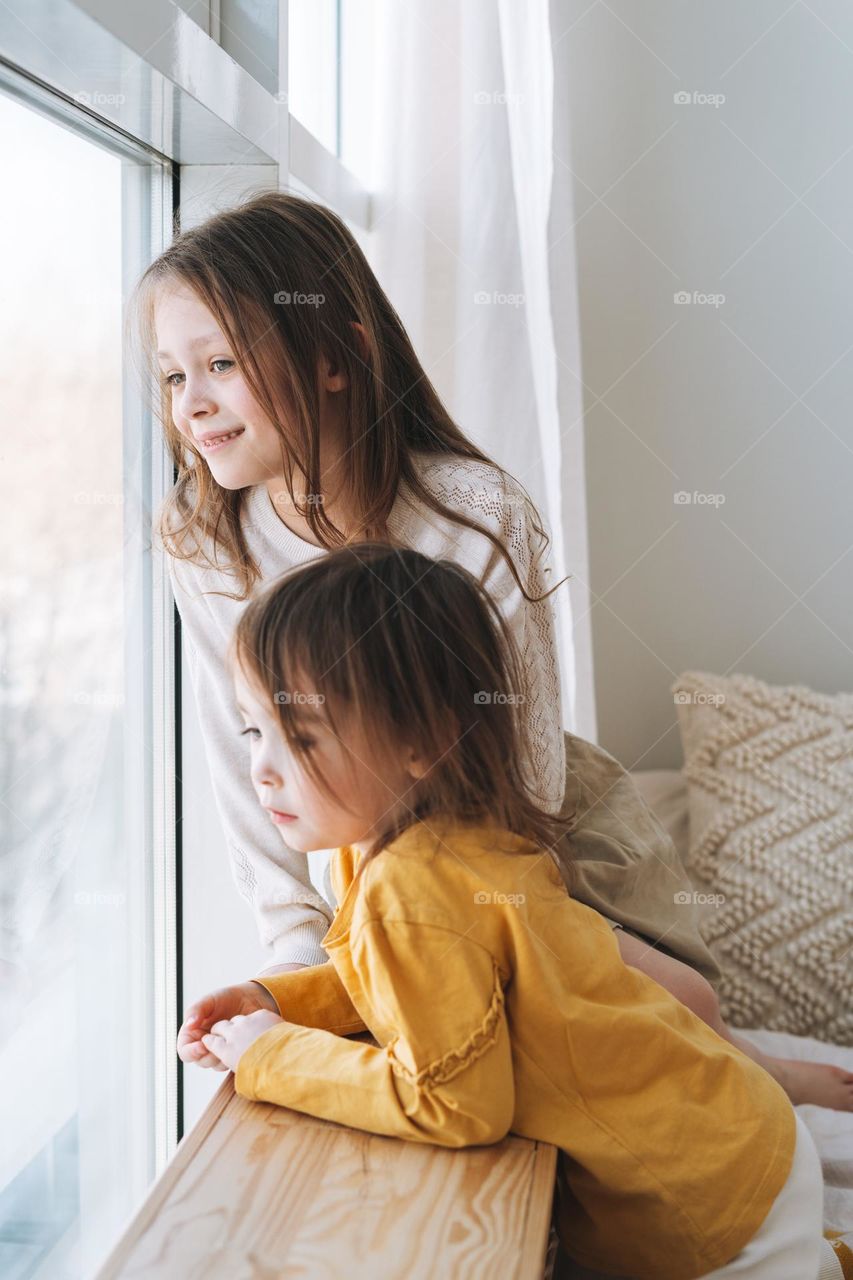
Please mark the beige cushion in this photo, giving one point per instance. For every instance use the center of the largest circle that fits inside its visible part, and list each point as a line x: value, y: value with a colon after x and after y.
x: 769, y: 772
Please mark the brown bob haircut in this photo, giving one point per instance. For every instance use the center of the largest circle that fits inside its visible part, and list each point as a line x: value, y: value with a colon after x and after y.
x: 414, y: 651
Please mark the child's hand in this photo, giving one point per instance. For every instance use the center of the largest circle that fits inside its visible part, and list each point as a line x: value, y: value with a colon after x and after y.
x: 228, y: 1002
x: 230, y: 1039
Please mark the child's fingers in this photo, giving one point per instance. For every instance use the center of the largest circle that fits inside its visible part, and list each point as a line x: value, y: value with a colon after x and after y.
x: 197, y: 1020
x: 193, y: 1026
x: 199, y: 1011
x: 189, y: 1034
x: 189, y: 1042
x: 191, y: 1053
x: 210, y: 1060
x: 204, y: 1055
x: 216, y: 1045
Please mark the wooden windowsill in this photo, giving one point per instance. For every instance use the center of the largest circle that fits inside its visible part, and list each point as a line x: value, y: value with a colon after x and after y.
x: 259, y: 1190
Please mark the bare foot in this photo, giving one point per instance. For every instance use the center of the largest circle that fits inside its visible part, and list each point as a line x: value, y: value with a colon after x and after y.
x: 817, y: 1083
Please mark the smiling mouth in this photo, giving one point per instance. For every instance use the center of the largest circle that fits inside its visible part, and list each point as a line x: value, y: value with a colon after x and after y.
x: 218, y: 441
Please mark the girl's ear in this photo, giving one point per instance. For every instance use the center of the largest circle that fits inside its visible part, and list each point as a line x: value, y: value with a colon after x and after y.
x: 334, y: 379
x: 416, y: 766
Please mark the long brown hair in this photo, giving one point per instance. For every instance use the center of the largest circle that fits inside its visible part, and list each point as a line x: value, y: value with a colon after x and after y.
x: 237, y: 263
x: 416, y: 653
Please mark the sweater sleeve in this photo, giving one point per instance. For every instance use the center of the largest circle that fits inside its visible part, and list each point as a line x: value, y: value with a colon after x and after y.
x: 444, y: 1072
x: 291, y: 916
x: 483, y: 494
x: 533, y: 628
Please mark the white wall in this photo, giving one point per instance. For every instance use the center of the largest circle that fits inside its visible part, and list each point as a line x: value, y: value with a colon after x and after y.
x: 750, y: 399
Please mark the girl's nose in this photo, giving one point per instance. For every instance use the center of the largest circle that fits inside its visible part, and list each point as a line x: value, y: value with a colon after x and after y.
x: 265, y: 775
x: 197, y: 400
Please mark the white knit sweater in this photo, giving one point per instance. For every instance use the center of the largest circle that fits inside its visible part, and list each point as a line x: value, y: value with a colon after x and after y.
x: 291, y: 916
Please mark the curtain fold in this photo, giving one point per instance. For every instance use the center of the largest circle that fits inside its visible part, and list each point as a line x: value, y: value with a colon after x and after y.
x: 460, y: 241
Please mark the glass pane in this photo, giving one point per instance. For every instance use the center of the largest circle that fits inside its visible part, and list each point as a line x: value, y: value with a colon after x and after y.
x: 75, y: 1030
x: 312, y: 67
x: 360, y: 54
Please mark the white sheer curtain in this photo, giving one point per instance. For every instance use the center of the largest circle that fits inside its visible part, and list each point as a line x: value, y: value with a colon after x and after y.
x: 463, y: 183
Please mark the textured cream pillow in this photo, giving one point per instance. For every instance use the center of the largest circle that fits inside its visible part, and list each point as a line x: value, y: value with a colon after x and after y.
x: 770, y: 786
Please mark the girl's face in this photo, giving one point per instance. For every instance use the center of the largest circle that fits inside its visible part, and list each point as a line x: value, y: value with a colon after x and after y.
x: 305, y: 817
x: 210, y: 398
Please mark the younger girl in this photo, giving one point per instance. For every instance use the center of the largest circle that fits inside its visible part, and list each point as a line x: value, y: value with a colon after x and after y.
x: 379, y: 690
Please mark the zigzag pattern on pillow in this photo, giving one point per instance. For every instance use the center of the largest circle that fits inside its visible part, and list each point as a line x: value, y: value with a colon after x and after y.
x: 770, y: 785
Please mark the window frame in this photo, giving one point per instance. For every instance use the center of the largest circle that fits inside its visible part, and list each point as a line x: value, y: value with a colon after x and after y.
x: 146, y: 786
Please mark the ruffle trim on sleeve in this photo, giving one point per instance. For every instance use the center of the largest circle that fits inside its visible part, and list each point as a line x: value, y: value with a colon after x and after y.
x: 450, y: 1064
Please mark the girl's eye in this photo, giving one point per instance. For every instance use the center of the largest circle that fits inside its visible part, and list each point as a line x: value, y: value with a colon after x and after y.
x: 168, y: 379
x: 301, y: 744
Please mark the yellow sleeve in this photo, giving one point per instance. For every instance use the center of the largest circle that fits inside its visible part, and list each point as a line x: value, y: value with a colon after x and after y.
x: 444, y: 1074
x: 314, y: 997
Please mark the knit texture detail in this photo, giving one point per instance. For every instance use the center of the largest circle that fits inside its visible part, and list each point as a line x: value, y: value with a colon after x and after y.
x: 479, y: 491
x: 770, y: 788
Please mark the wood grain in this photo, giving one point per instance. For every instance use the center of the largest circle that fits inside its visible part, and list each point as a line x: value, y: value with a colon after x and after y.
x: 256, y: 1192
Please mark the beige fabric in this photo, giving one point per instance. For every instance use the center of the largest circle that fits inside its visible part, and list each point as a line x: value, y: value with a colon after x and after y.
x: 622, y: 860
x: 665, y: 792
x: 770, y: 780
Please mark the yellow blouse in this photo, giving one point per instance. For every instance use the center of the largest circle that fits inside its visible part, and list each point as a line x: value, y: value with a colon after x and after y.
x: 498, y: 1002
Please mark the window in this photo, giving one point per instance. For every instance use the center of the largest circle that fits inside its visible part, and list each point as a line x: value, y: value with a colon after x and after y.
x: 79, y: 686
x: 99, y: 837
x: 331, y: 54
x: 313, y: 68
x: 359, y: 51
